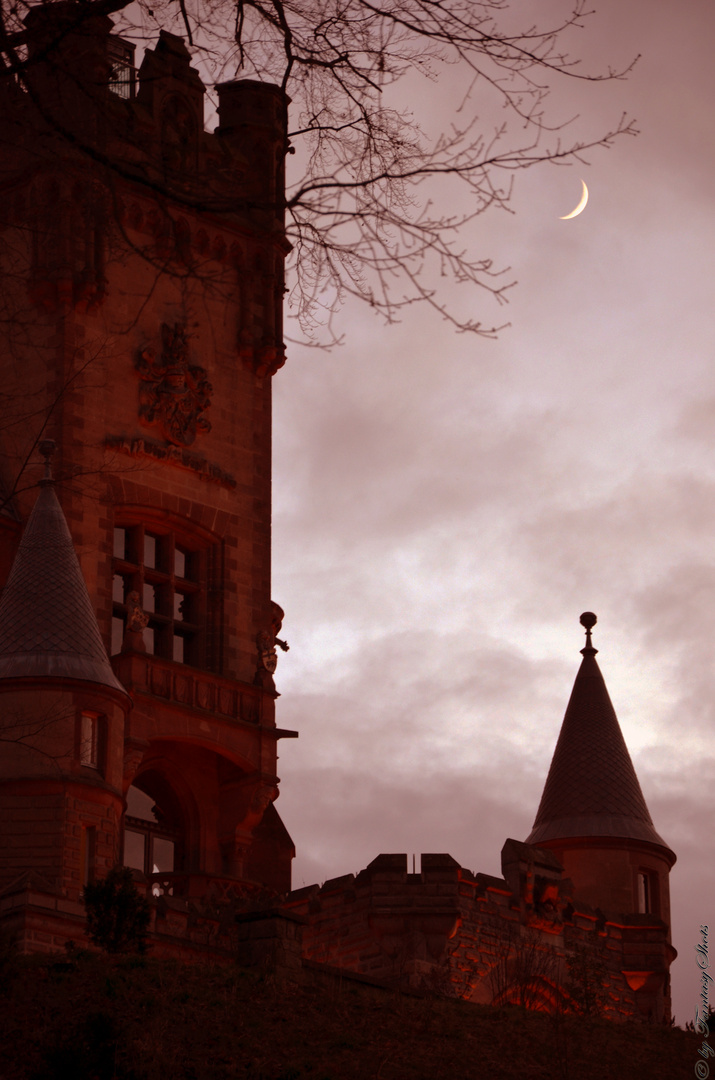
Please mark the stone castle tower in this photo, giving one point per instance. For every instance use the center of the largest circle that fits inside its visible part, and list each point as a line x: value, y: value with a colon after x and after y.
x: 140, y: 319
x: 594, y: 819
x: 592, y: 814
x: 142, y: 269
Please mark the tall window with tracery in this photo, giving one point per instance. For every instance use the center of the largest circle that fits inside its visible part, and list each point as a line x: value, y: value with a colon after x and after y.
x: 168, y: 575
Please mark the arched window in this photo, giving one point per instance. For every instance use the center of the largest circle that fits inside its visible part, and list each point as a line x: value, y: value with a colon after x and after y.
x: 152, y: 829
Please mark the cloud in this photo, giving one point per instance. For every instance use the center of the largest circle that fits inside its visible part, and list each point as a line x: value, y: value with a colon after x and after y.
x: 446, y: 507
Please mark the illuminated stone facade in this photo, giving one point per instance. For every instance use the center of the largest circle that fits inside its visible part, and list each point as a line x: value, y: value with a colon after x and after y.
x: 142, y: 270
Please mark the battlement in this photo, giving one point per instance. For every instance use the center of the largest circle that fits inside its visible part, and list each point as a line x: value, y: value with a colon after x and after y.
x: 523, y: 937
x: 86, y: 99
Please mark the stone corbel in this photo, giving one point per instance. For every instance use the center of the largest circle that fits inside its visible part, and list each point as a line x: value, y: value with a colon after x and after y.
x: 244, y: 802
x: 264, y: 360
x: 134, y: 751
x: 270, y: 359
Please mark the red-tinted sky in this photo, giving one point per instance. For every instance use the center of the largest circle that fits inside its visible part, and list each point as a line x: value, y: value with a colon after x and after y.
x: 446, y: 507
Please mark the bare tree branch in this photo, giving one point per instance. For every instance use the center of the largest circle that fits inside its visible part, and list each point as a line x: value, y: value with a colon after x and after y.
x: 371, y: 207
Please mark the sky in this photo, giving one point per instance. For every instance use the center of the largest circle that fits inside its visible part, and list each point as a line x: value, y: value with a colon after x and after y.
x: 446, y: 506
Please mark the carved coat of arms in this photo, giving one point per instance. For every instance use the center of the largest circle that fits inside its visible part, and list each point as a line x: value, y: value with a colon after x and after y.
x: 173, y: 394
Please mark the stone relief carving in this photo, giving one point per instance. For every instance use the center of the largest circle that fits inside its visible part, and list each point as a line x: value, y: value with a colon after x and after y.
x: 173, y: 394
x: 267, y: 655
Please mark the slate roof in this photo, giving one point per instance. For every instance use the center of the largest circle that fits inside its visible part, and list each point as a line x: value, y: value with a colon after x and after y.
x: 592, y: 789
x: 47, y: 623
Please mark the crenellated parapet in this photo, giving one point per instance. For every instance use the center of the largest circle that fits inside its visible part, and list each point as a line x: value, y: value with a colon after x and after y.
x: 109, y: 162
x: 523, y: 938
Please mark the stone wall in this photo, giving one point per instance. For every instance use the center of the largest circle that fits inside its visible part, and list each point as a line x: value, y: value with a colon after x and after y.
x: 443, y: 931
x: 523, y: 938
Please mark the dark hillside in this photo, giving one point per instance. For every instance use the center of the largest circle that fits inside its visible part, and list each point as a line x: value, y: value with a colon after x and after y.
x: 91, y: 1018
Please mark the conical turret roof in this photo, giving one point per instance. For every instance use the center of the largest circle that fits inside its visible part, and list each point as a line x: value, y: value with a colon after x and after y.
x: 47, y: 624
x: 592, y: 789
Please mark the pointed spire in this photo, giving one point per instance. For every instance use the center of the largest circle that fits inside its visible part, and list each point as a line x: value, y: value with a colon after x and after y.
x: 592, y: 789
x: 47, y: 624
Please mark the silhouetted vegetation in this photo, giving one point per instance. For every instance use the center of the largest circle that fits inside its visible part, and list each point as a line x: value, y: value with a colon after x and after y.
x: 117, y: 916
x: 89, y: 1017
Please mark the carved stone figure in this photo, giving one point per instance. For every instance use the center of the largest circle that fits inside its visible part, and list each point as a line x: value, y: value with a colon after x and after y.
x: 174, y: 393
x: 137, y: 620
x: 266, y: 641
x: 267, y: 654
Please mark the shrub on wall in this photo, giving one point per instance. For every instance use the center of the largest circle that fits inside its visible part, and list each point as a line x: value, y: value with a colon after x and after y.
x: 117, y: 916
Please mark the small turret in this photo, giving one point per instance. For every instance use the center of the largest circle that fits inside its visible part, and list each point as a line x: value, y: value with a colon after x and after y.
x: 592, y: 789
x: 62, y: 714
x: 48, y: 628
x: 594, y: 818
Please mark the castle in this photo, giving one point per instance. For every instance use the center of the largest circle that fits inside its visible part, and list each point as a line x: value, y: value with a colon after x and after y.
x: 142, y: 266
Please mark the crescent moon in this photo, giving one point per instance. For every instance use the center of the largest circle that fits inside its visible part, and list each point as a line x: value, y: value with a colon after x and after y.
x: 584, y: 199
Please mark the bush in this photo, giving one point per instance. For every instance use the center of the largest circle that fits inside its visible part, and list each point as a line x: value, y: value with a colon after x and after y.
x: 117, y: 916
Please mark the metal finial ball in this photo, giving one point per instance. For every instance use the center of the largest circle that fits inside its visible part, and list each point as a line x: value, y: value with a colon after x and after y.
x: 588, y: 619
x: 47, y: 448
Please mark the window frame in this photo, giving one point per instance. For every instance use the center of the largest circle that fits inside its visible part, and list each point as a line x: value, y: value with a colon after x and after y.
x: 151, y: 831
x: 90, y: 740
x: 647, y: 891
x: 186, y: 583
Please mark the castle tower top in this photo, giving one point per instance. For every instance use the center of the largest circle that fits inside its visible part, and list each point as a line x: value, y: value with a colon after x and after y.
x: 48, y: 627
x: 592, y: 789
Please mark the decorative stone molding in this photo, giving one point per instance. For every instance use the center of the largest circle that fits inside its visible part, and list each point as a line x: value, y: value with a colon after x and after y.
x: 173, y: 455
x: 134, y: 750
x: 213, y: 694
x: 263, y: 361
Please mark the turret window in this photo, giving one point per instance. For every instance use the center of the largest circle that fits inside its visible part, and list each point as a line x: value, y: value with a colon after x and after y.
x: 166, y: 576
x: 90, y: 740
x: 647, y: 892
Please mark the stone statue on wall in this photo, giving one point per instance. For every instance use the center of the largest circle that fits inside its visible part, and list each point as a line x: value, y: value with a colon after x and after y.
x: 266, y: 641
x: 137, y: 620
